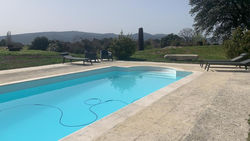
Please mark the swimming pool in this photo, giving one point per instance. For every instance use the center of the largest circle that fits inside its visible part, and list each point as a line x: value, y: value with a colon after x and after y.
x: 52, y: 108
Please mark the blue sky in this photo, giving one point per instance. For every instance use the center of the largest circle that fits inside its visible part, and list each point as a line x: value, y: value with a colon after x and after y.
x: 100, y: 16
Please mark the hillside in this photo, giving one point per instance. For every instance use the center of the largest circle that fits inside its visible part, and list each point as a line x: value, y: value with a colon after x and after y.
x: 212, y: 52
x: 71, y: 36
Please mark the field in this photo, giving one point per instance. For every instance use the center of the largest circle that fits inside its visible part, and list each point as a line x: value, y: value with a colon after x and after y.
x: 29, y: 58
x: 157, y: 55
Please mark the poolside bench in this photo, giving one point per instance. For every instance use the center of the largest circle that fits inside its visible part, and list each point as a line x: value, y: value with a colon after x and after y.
x: 69, y: 57
x: 242, y: 63
x: 105, y: 54
x: 182, y: 57
x: 236, y: 59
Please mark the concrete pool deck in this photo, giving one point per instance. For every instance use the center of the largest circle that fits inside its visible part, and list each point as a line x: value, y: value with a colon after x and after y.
x: 213, y: 106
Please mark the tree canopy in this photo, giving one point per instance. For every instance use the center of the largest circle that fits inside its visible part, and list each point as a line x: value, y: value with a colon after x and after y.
x: 238, y: 43
x: 123, y: 47
x: 187, y: 34
x: 171, y: 40
x: 40, y: 43
x: 3, y: 42
x: 220, y: 17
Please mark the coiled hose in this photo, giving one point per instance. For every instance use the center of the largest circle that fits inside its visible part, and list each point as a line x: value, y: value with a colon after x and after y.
x: 87, y: 102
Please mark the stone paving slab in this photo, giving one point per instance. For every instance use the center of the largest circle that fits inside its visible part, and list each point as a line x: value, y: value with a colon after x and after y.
x: 213, y: 107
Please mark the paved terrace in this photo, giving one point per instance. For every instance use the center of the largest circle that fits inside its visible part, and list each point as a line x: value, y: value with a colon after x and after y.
x: 215, y: 106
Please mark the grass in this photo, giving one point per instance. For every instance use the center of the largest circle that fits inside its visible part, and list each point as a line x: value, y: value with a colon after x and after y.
x: 29, y: 58
x: 157, y: 55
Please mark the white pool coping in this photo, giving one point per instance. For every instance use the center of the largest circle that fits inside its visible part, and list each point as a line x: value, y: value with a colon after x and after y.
x: 101, y: 126
x: 48, y: 76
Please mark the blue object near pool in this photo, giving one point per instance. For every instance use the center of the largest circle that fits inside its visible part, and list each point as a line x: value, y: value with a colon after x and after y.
x: 52, y: 108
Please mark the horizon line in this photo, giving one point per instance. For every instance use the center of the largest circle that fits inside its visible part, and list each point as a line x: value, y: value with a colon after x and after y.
x: 82, y: 32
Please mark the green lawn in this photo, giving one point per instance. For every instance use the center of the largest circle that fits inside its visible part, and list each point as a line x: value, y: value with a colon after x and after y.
x: 29, y: 58
x: 157, y: 55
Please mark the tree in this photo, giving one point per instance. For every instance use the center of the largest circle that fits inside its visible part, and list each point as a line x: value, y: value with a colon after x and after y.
x: 16, y: 46
x: 238, y: 43
x: 12, y: 46
x: 77, y: 47
x: 88, y: 45
x: 96, y: 45
x: 156, y: 43
x: 106, y: 43
x: 220, y: 17
x: 187, y: 34
x: 199, y: 39
x: 123, y: 47
x: 171, y: 40
x: 40, y: 43
x: 58, y: 46
x: 3, y: 42
x: 152, y: 43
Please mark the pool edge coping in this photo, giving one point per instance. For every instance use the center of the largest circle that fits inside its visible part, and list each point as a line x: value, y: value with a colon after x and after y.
x: 98, y: 128
x: 54, y: 75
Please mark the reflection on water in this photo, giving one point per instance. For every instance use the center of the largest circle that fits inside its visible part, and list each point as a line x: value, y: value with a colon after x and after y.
x: 123, y: 82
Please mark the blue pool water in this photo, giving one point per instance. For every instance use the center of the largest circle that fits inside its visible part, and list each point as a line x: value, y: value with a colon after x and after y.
x: 50, y: 109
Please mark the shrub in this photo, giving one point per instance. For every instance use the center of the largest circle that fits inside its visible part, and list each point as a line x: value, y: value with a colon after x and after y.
x: 58, y: 46
x: 3, y: 42
x: 152, y: 43
x: 15, y: 46
x: 123, y: 47
x: 198, y: 40
x: 171, y: 40
x: 246, y: 42
x: 77, y: 47
x: 238, y: 43
x: 40, y: 43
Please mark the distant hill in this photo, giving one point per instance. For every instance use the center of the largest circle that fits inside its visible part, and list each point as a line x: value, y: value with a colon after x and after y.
x: 71, y: 36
